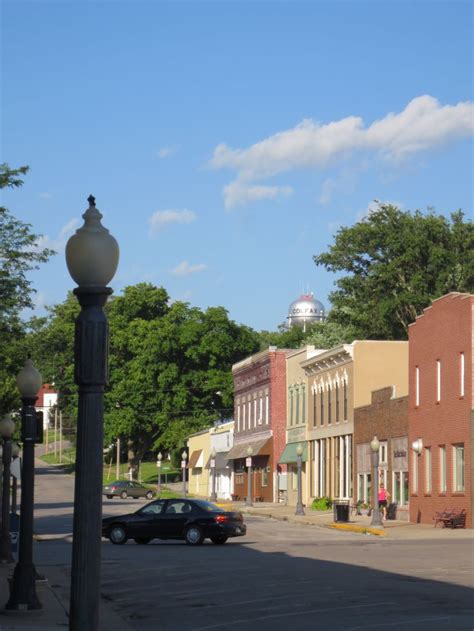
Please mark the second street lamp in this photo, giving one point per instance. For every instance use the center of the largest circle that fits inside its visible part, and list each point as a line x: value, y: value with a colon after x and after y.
x: 7, y: 428
x: 159, y: 458
x: 299, y: 503
x: 23, y: 591
x: 184, y: 456
x: 375, y: 446
x: 92, y: 256
x: 248, y: 501
x: 213, y: 471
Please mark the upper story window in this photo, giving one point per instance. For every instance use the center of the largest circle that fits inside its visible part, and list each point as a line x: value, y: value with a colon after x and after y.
x: 315, y: 404
x: 243, y: 416
x: 290, y: 406
x: 297, y: 415
x: 329, y: 405
x: 417, y: 386
x: 303, y: 404
x: 438, y: 381
x: 267, y: 406
x: 461, y: 374
x: 345, y: 400
x: 260, y: 414
x: 238, y: 416
x: 249, y: 413
x: 254, y: 412
x: 321, y: 405
x: 337, y: 402
x: 428, y: 470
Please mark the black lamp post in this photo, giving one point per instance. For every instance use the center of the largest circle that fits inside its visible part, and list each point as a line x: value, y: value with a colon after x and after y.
x: 15, y: 454
x: 158, y: 464
x: 7, y: 428
x: 248, y: 501
x: 299, y: 503
x: 376, y: 519
x: 92, y: 257
x: 184, y: 456
x: 23, y: 591
x: 213, y: 472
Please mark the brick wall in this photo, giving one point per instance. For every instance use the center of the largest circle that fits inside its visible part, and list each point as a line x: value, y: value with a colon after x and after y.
x: 441, y: 334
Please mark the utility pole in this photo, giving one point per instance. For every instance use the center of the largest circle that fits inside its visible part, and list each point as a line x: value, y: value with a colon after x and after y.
x: 118, y: 459
x: 55, y: 433
x: 60, y: 436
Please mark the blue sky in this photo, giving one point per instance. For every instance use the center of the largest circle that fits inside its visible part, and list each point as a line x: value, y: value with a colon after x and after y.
x: 226, y: 142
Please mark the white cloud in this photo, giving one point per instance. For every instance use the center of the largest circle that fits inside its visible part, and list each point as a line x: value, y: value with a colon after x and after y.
x: 239, y: 192
x: 423, y: 124
x: 185, y: 269
x: 374, y: 206
x: 58, y: 243
x: 164, y: 152
x: 162, y: 218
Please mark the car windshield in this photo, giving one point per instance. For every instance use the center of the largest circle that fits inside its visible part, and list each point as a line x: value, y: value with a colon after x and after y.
x: 208, y: 506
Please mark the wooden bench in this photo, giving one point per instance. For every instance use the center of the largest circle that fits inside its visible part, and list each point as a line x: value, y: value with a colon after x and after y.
x: 235, y: 497
x: 258, y: 498
x: 451, y: 518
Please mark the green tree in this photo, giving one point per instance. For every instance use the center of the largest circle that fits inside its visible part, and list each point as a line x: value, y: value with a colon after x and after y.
x: 19, y: 255
x: 393, y: 264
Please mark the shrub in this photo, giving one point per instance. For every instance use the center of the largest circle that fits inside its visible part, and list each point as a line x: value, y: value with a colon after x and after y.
x: 321, y: 503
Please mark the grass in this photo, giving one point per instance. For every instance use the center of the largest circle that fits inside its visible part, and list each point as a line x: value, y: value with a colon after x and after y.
x: 148, y: 474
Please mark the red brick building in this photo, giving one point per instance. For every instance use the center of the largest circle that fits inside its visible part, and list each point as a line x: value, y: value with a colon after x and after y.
x: 440, y: 409
x: 387, y: 418
x: 259, y: 421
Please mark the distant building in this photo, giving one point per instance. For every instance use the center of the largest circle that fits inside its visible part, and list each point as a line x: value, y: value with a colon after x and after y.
x: 47, y: 400
x: 440, y: 411
x: 304, y: 311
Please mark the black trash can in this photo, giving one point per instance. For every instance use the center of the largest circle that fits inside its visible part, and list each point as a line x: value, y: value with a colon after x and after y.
x: 341, y: 510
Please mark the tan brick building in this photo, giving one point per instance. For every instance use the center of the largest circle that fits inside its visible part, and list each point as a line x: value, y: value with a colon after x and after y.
x: 441, y: 408
x: 339, y: 380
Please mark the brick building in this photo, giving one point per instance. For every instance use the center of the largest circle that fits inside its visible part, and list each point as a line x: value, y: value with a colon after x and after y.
x: 387, y: 418
x: 440, y: 411
x: 259, y: 421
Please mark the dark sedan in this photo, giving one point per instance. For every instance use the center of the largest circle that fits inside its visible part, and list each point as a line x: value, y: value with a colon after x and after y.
x: 124, y: 489
x: 191, y: 520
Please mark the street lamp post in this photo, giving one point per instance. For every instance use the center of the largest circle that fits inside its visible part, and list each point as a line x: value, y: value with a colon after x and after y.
x: 7, y: 427
x: 159, y: 458
x: 299, y: 503
x: 248, y: 501
x: 23, y: 590
x: 15, y: 454
x: 213, y: 470
x: 184, y: 456
x: 92, y: 256
x: 374, y: 446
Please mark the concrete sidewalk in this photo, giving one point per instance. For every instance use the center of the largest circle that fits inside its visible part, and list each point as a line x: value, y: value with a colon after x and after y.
x: 357, y: 523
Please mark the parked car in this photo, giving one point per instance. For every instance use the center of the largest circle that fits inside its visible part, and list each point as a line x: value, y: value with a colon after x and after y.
x: 191, y: 520
x: 124, y: 489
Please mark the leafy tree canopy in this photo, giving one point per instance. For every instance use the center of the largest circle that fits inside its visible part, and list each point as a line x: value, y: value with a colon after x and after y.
x: 19, y: 255
x: 393, y: 264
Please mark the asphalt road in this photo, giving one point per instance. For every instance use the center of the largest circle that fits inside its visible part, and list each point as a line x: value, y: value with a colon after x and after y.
x: 279, y: 576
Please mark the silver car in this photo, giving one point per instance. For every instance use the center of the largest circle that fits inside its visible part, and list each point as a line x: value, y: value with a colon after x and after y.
x: 125, y: 488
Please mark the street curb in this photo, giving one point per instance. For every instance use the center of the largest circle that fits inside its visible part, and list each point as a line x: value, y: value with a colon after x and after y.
x: 359, y: 529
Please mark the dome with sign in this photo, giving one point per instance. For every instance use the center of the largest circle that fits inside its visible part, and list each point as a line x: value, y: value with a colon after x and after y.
x: 305, y: 310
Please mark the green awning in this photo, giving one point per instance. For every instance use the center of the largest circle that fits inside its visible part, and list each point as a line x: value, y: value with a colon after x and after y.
x: 289, y: 453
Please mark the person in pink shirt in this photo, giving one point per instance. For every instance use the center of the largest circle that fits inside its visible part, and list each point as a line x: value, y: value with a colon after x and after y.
x: 383, y: 500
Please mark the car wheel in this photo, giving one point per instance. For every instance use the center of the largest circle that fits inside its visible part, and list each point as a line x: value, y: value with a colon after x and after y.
x: 123, y: 495
x: 219, y: 540
x: 142, y: 540
x: 149, y: 495
x: 118, y: 535
x: 110, y: 497
x: 193, y: 536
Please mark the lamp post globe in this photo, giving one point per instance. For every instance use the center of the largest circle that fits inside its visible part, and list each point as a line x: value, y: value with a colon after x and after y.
x: 92, y: 255
x: 23, y: 587
x: 248, y: 501
x: 376, y: 518
x: 213, y: 473
x: 299, y: 503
